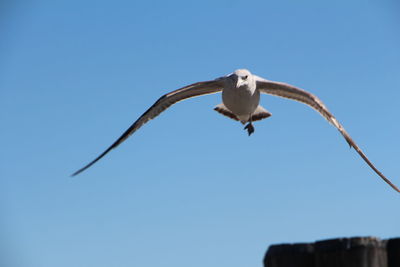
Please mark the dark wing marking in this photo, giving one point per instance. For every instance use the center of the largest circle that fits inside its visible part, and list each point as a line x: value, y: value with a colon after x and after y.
x: 164, y: 102
x: 226, y: 112
x: 291, y: 92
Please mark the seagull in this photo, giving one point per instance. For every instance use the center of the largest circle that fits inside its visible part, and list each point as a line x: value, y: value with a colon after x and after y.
x: 240, y: 101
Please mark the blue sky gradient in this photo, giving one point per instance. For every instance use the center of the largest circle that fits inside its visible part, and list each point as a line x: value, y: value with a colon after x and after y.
x: 190, y: 188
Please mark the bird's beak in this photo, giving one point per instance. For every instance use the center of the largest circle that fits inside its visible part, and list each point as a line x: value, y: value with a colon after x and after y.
x: 239, y: 82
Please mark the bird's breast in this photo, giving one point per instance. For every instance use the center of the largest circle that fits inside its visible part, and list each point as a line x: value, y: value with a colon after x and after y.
x: 241, y: 101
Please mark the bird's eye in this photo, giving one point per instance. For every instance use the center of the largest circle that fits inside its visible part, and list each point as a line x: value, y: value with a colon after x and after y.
x: 245, y: 77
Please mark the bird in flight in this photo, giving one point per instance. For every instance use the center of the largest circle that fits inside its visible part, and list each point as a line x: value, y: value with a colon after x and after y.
x: 240, y: 101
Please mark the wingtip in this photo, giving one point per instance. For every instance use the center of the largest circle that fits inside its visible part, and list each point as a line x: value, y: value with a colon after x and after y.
x: 80, y: 170
x: 396, y: 189
x: 74, y: 174
x: 392, y: 185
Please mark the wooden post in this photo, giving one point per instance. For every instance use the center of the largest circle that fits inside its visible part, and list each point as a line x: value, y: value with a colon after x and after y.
x: 290, y: 255
x: 351, y: 252
x: 341, y: 252
x: 393, y: 251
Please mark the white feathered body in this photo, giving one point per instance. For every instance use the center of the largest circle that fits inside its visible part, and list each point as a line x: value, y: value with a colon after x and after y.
x: 242, y: 100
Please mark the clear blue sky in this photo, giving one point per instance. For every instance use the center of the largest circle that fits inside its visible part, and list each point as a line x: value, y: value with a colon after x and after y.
x: 190, y: 188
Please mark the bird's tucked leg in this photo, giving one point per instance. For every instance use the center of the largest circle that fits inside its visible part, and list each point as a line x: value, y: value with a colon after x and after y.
x: 250, y: 128
x: 259, y: 114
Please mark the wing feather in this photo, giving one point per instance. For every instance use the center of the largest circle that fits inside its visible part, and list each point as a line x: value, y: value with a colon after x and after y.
x: 164, y: 102
x: 294, y: 93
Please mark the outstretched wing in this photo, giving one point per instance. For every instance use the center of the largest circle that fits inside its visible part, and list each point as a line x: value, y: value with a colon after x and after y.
x: 164, y: 102
x: 294, y: 93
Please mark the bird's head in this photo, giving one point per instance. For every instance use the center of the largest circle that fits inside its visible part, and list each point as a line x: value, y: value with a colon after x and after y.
x: 242, y: 77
